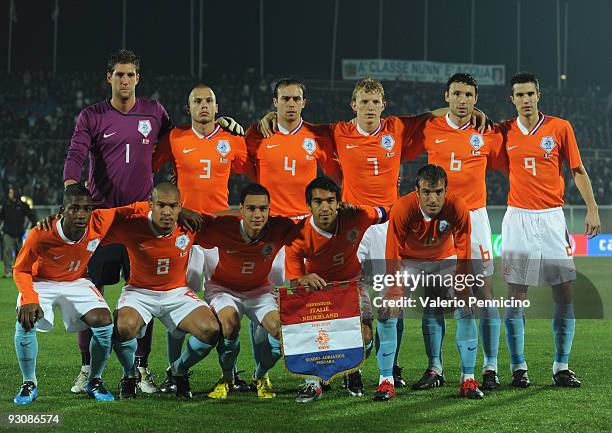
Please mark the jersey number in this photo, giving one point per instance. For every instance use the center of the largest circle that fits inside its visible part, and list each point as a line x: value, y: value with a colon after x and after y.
x: 247, y: 267
x: 74, y: 266
x: 455, y: 164
x: 338, y: 259
x: 206, y: 169
x: 288, y: 167
x: 127, y: 153
x: 530, y: 165
x: 375, y: 161
x: 163, y: 266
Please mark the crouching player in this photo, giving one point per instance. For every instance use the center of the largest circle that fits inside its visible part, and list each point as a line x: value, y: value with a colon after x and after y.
x: 50, y: 270
x: 324, y: 250
x: 159, y: 251
x: 240, y: 284
x: 429, y: 231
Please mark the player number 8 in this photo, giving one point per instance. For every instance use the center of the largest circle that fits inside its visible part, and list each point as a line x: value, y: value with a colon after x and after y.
x: 163, y: 266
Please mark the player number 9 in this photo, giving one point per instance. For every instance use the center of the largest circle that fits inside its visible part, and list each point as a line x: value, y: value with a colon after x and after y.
x: 530, y: 164
x: 163, y: 266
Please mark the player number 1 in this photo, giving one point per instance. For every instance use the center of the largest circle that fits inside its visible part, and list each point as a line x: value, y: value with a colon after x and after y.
x: 288, y: 168
x: 163, y: 266
x: 127, y: 153
x: 530, y: 165
x: 375, y: 161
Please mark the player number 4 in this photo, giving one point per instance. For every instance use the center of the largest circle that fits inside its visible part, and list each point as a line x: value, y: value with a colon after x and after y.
x: 530, y: 165
x: 290, y: 168
x: 163, y: 266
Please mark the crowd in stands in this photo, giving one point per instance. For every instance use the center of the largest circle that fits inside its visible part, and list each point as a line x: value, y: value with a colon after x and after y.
x: 38, y: 113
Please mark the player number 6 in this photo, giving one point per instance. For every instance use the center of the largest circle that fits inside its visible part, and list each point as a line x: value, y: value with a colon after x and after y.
x: 455, y: 164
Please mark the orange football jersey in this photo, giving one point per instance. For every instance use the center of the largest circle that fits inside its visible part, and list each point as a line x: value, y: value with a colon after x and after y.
x: 157, y: 262
x: 463, y: 153
x: 244, y: 264
x: 50, y: 255
x: 412, y: 235
x: 203, y: 165
x: 332, y: 256
x: 370, y: 163
x: 287, y: 162
x: 536, y: 161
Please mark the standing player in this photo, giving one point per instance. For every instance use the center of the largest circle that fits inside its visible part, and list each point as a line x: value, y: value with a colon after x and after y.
x: 159, y: 251
x: 325, y: 250
x: 465, y: 154
x: 50, y: 271
x: 286, y: 161
x: 13, y: 213
x: 118, y: 134
x: 241, y: 285
x: 429, y: 231
x: 204, y: 157
x: 535, y: 242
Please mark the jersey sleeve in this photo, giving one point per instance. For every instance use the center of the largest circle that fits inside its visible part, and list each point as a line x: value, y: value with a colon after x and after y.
x: 329, y: 161
x: 294, y: 261
x: 162, y: 153
x: 80, y: 144
x: 206, y: 235
x: 239, y: 163
x: 166, y: 123
x: 22, y: 271
x: 375, y: 214
x: 397, y: 220
x: 413, y: 135
x: 570, y: 147
x: 497, y: 158
x: 252, y: 139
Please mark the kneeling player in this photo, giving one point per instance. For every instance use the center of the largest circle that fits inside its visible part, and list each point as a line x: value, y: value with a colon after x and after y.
x: 240, y: 284
x: 159, y: 252
x: 426, y: 227
x: 50, y: 270
x: 325, y: 250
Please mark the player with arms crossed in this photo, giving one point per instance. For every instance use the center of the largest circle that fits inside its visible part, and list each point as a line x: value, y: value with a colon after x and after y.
x: 465, y: 154
x: 535, y: 242
x: 241, y: 285
x: 159, y: 251
x: 324, y: 250
x: 429, y: 231
x: 204, y: 157
x: 51, y: 270
x: 118, y: 135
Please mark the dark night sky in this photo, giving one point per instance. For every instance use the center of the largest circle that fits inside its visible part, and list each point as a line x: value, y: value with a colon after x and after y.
x: 298, y: 35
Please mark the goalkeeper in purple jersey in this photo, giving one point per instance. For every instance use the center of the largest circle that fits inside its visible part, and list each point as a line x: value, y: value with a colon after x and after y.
x: 118, y: 136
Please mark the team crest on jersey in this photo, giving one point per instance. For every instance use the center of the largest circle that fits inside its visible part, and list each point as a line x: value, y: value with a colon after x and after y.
x: 309, y: 145
x: 352, y: 235
x: 387, y: 142
x: 476, y: 141
x: 223, y: 147
x: 144, y: 127
x: 548, y: 144
x: 182, y: 241
x: 443, y: 226
x: 267, y: 250
x: 93, y: 244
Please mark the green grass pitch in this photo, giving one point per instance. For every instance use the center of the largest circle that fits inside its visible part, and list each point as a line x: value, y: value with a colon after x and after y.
x: 536, y: 409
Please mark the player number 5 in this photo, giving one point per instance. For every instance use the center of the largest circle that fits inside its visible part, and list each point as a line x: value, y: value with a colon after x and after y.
x: 530, y: 165
x: 163, y: 266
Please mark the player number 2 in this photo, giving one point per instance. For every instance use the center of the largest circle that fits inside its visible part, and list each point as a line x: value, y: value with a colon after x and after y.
x: 375, y: 161
x: 455, y: 164
x: 247, y: 267
x: 290, y: 168
x: 206, y: 169
x: 163, y: 266
x: 530, y: 165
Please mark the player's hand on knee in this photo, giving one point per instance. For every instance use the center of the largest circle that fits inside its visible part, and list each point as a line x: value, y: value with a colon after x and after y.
x: 191, y: 220
x: 229, y: 124
x: 312, y: 281
x: 28, y: 315
x: 268, y: 124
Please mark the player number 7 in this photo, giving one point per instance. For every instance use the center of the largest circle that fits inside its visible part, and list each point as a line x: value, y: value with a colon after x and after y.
x: 375, y: 161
